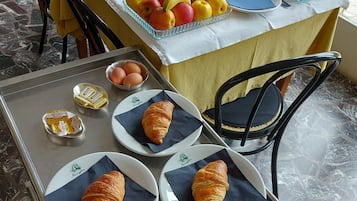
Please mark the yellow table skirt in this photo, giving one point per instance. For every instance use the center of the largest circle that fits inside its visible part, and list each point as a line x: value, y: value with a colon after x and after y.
x: 199, y: 78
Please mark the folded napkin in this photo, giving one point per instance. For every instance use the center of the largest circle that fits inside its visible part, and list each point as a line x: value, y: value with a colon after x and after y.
x: 182, y: 125
x: 181, y: 179
x: 252, y: 4
x: 73, y: 190
x: 65, y: 21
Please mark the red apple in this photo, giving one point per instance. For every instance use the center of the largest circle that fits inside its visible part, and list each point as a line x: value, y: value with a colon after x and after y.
x: 146, y: 7
x: 162, y: 2
x: 183, y: 13
x: 162, y: 20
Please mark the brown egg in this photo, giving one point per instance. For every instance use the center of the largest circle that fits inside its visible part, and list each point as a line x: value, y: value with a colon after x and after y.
x: 132, y: 79
x: 117, y: 75
x: 131, y: 67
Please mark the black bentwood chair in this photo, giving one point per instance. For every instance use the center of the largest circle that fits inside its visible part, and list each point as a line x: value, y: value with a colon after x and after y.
x: 89, y: 22
x: 262, y: 112
x: 46, y: 15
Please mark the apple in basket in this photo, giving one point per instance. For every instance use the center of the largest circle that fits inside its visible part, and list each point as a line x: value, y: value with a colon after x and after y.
x: 162, y: 20
x: 202, y: 10
x: 183, y: 13
x: 146, y: 7
x: 133, y: 4
x: 218, y: 6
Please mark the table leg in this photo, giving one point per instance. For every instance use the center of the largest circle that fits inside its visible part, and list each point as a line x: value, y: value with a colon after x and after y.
x: 40, y: 4
x: 82, y: 48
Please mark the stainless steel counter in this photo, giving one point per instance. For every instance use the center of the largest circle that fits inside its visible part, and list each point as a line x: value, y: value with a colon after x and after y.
x: 25, y: 99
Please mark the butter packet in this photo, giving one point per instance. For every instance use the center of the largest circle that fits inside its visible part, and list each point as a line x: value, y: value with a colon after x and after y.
x: 90, y: 96
x: 62, y: 122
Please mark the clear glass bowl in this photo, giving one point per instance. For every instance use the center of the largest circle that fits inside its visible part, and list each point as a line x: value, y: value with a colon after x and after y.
x: 159, y: 34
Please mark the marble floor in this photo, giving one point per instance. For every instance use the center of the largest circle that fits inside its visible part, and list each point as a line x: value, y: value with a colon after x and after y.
x: 317, y: 160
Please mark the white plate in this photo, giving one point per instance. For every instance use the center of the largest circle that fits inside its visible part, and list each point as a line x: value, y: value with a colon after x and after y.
x: 277, y: 3
x: 128, y: 165
x: 199, y: 152
x: 137, y: 99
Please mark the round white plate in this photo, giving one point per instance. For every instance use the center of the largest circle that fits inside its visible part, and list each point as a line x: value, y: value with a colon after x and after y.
x: 199, y: 152
x: 137, y: 99
x: 128, y: 165
x: 277, y: 3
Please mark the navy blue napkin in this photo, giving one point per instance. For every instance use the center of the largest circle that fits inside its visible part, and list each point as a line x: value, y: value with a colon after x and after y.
x: 240, y: 188
x: 73, y: 190
x: 182, y: 125
x: 252, y: 4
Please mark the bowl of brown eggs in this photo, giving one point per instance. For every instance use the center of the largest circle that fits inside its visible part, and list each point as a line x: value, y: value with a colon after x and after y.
x: 127, y: 74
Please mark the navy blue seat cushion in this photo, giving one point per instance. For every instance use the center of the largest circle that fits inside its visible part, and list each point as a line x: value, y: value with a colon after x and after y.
x: 236, y: 113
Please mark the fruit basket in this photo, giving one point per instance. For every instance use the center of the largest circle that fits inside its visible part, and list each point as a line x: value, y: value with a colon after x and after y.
x: 159, y: 34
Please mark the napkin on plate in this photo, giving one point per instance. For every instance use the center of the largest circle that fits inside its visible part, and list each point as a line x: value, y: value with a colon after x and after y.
x: 182, y: 125
x: 73, y: 190
x: 252, y: 4
x: 240, y: 188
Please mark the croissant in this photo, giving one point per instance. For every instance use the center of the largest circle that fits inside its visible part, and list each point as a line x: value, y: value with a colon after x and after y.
x: 156, y: 120
x: 211, y: 182
x: 108, y: 187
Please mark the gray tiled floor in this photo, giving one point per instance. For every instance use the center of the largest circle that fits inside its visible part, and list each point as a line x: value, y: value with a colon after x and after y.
x: 317, y: 160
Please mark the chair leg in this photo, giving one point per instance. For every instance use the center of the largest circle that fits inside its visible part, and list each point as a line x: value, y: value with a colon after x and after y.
x: 64, y: 49
x: 43, y: 35
x: 274, y: 160
x: 274, y: 176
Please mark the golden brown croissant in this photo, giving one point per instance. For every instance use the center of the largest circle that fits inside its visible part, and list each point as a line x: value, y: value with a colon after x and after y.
x: 108, y: 187
x: 156, y: 120
x: 211, y: 182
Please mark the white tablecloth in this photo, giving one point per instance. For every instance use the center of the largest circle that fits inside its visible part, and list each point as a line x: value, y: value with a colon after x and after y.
x: 237, y: 27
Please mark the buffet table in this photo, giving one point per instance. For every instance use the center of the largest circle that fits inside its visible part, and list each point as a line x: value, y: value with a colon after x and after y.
x: 198, y: 61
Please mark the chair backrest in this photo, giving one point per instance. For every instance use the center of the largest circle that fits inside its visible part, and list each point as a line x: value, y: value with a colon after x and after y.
x: 330, y: 60
x: 89, y: 23
x: 278, y: 69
